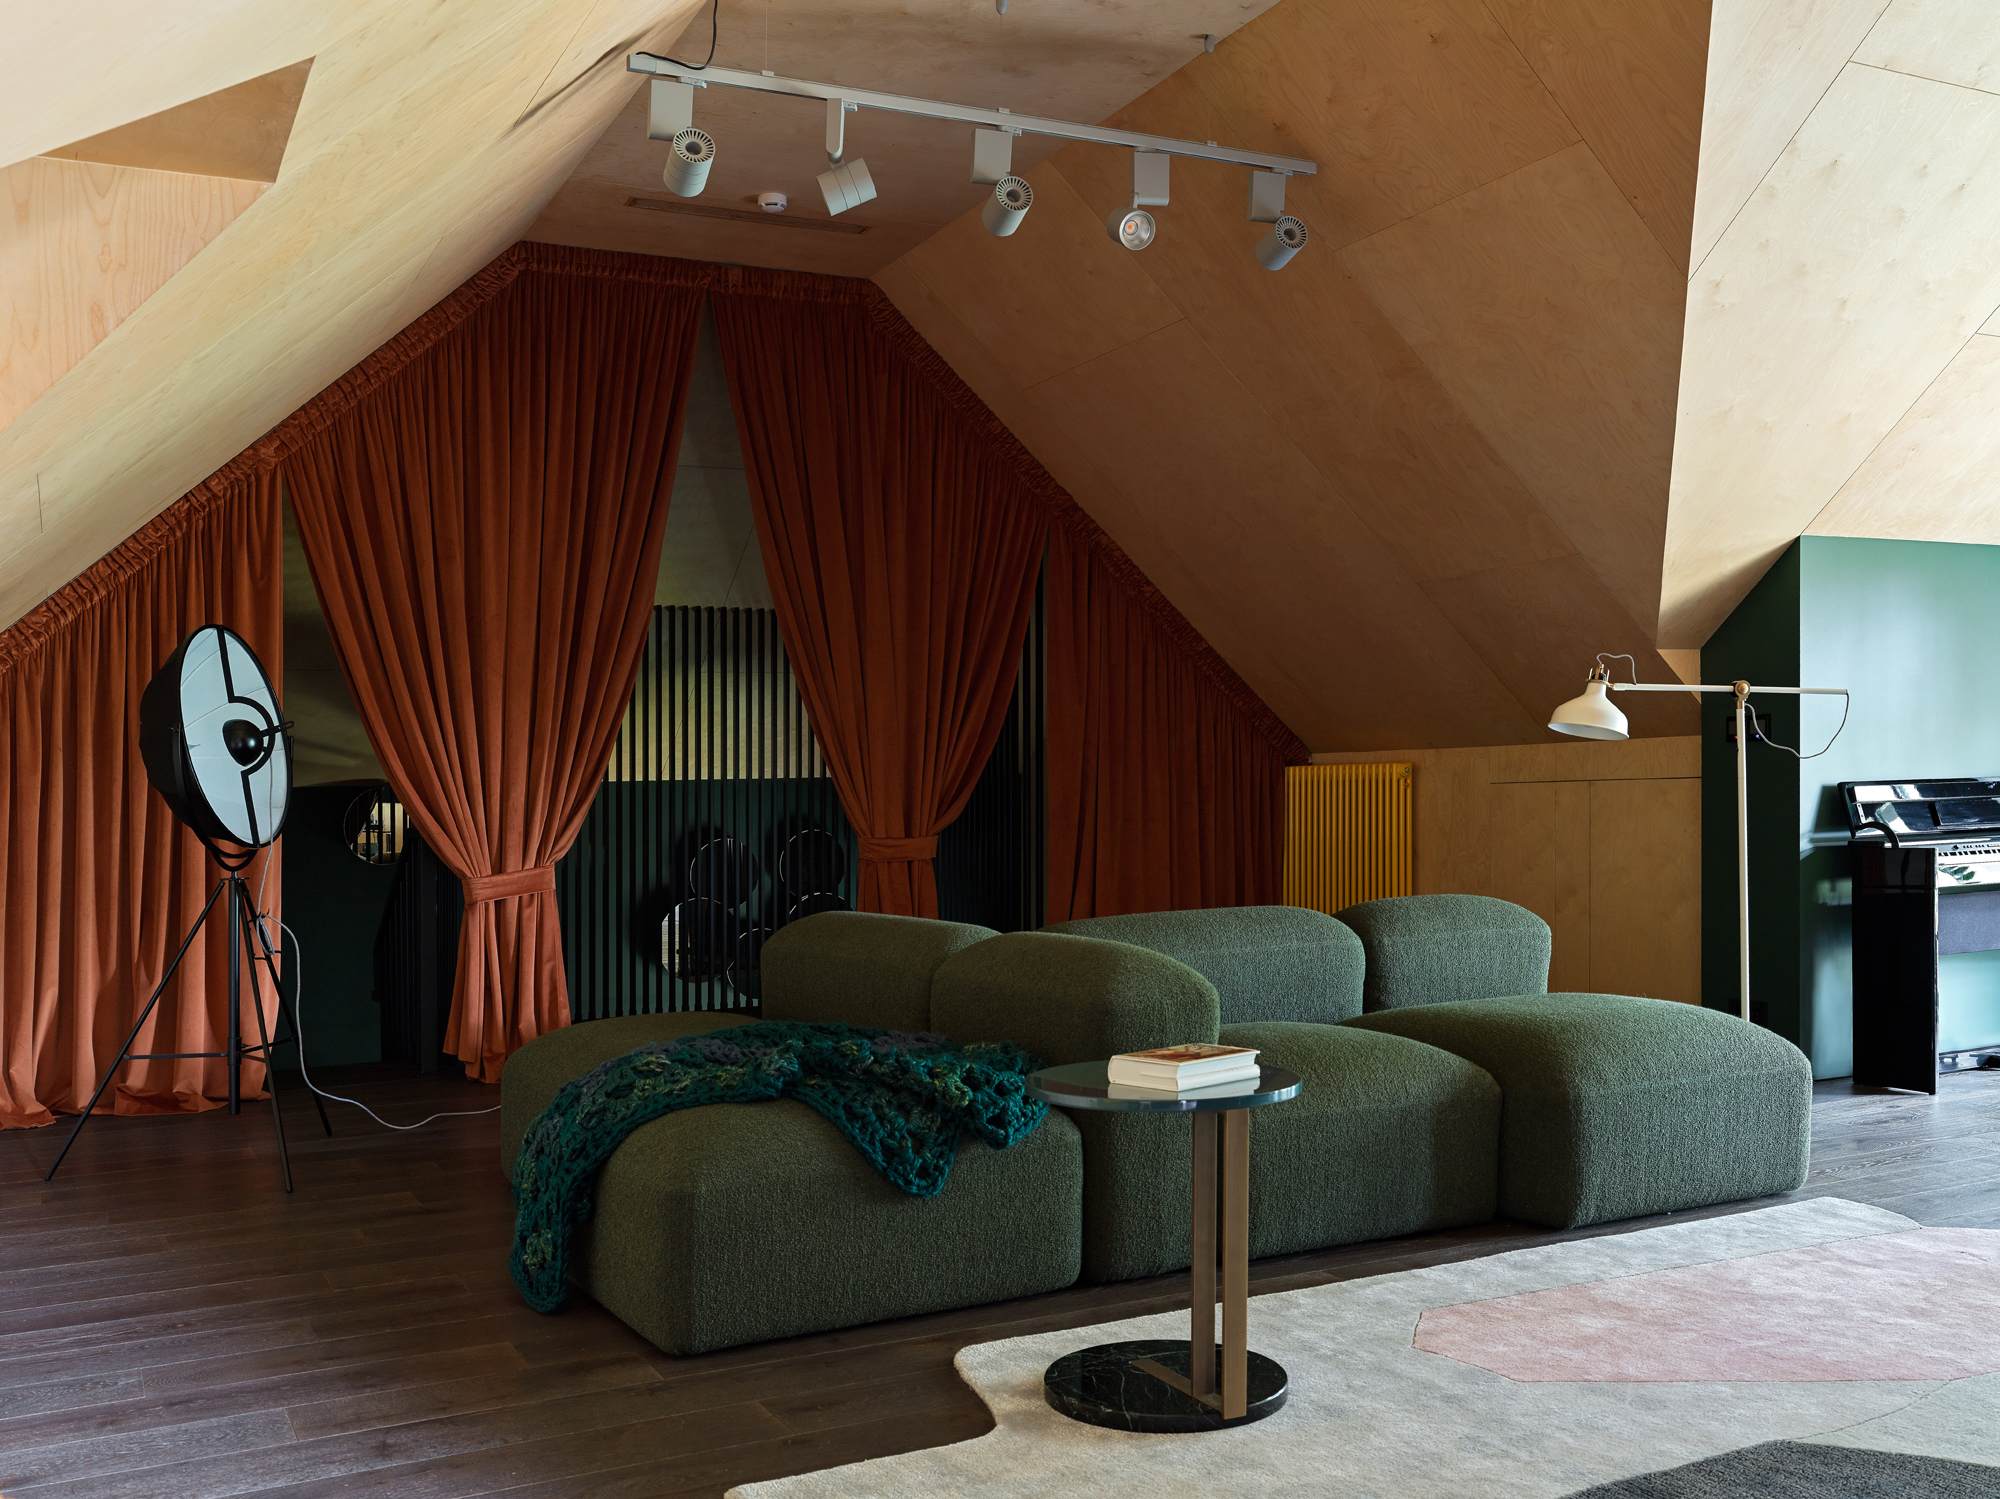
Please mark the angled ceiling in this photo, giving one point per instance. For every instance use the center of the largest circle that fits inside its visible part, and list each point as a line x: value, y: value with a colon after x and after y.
x: 1606, y: 301
x: 1410, y: 484
x: 1839, y: 376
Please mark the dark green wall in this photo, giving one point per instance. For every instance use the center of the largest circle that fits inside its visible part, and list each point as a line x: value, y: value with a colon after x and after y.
x: 1908, y: 627
x: 1758, y: 643
x: 334, y: 904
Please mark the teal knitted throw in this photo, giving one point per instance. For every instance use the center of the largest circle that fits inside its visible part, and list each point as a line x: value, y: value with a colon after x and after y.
x: 902, y: 1099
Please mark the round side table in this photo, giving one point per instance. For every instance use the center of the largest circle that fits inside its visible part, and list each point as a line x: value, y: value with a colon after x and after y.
x: 1164, y: 1384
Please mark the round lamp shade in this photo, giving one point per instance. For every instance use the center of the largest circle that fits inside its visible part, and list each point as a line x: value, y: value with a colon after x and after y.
x: 214, y: 744
x: 1591, y: 716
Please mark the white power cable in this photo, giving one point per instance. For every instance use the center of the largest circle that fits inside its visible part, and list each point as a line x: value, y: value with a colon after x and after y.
x: 298, y: 1027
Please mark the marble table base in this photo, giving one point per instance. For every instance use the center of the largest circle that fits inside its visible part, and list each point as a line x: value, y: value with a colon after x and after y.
x: 1101, y: 1385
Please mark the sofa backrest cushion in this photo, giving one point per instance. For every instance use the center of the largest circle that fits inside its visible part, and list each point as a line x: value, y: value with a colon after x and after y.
x: 1429, y: 949
x: 1071, y: 999
x: 859, y: 968
x: 1266, y: 962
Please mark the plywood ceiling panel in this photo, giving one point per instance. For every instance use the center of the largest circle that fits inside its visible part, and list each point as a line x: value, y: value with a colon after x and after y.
x: 1630, y: 78
x: 235, y: 132
x: 1936, y: 476
x: 1073, y: 61
x: 1770, y: 62
x: 1847, y: 284
x: 423, y: 146
x: 1360, y: 404
x: 1951, y: 41
x: 1213, y: 496
x: 1552, y: 317
x: 72, y: 71
x: 1349, y: 511
x: 1404, y: 106
x: 81, y: 246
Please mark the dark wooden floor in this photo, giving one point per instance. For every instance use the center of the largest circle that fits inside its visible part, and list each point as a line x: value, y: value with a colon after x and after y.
x: 172, y: 1324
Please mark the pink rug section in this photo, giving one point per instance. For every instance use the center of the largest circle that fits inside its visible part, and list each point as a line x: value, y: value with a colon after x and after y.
x: 1916, y: 1305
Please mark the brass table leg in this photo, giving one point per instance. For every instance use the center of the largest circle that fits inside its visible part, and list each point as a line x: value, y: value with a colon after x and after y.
x: 1235, y: 1262
x: 1201, y: 1298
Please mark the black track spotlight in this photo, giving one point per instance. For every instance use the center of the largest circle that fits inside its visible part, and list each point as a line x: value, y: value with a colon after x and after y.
x: 1276, y: 249
x: 1011, y: 200
x: 1132, y: 227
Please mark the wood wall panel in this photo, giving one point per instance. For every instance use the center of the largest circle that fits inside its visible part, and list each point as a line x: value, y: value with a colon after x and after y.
x: 1601, y: 840
x: 83, y: 245
x: 235, y: 132
x: 1552, y: 317
x: 1645, y: 888
x: 1630, y: 76
x: 1852, y: 278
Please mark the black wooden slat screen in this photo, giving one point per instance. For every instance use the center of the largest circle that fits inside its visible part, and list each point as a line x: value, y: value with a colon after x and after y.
x: 717, y: 823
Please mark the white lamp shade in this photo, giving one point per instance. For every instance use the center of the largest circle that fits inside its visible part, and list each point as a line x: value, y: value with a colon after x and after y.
x: 1592, y: 716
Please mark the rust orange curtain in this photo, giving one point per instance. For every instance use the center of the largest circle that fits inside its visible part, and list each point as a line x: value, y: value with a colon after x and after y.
x: 1166, y: 775
x: 98, y: 882
x: 482, y: 514
x: 902, y: 547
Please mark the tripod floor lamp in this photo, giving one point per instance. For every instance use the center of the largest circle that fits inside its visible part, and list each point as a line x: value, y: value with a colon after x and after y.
x: 1594, y: 716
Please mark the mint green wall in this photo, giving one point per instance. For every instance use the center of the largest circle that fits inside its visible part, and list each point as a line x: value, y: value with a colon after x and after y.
x: 1909, y: 627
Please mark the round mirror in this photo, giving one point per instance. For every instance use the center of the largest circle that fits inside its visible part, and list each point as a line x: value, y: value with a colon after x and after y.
x: 376, y: 827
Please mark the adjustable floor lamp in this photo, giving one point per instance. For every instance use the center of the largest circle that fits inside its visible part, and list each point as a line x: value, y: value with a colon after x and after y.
x: 1594, y: 716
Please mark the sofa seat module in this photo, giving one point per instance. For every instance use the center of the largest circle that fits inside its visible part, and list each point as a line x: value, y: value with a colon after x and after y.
x: 734, y: 1223
x: 1613, y: 1106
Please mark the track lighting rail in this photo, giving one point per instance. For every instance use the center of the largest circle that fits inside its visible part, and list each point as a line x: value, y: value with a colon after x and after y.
x: 991, y: 119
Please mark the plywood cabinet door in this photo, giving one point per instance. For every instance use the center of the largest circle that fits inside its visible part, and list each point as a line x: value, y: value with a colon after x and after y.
x: 1540, y: 858
x: 1645, y: 888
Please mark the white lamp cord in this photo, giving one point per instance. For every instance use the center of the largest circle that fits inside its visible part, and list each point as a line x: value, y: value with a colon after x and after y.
x: 298, y: 1022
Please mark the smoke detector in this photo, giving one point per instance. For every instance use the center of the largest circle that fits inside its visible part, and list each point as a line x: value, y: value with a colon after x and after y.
x: 771, y: 202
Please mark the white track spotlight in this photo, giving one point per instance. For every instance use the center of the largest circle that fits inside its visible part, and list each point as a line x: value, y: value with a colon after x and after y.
x: 688, y: 162
x: 1132, y: 227
x: 1276, y: 249
x: 992, y: 155
x: 1011, y: 200
x: 847, y: 186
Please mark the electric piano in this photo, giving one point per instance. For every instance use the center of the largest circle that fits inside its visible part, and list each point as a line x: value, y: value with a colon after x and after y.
x: 1926, y: 884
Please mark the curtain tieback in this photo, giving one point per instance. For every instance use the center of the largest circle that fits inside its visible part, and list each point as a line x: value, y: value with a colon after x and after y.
x: 898, y: 850
x: 485, y: 887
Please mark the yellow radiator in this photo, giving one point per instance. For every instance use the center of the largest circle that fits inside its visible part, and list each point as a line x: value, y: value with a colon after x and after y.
x: 1348, y: 834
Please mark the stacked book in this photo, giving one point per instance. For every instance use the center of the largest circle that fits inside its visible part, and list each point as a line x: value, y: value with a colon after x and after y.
x: 1194, y: 1068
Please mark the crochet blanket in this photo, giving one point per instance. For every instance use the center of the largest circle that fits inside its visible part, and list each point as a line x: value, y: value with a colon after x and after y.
x: 903, y: 1100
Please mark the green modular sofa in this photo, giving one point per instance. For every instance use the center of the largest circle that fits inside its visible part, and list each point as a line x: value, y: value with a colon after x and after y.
x: 1442, y: 1086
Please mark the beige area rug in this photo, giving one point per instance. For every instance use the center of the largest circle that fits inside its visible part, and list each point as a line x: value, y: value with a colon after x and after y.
x: 1534, y: 1374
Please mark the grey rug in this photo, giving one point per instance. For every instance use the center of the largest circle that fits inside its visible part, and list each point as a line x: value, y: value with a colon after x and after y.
x: 1806, y: 1470
x: 1373, y: 1417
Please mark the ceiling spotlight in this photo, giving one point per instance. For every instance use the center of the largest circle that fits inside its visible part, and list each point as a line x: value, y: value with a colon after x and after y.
x: 1276, y: 249
x: 847, y: 186
x: 688, y: 161
x: 1132, y: 227
x: 1011, y: 200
